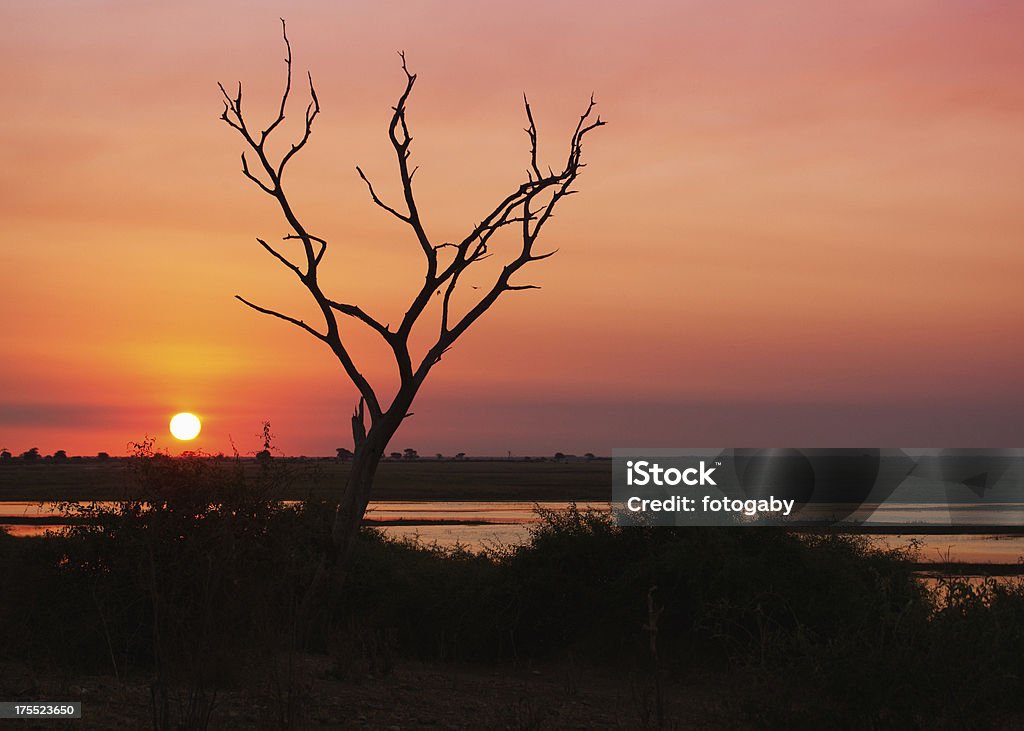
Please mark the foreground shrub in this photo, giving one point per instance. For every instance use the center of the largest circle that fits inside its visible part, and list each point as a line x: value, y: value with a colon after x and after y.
x: 819, y: 630
x: 195, y: 580
x: 199, y: 582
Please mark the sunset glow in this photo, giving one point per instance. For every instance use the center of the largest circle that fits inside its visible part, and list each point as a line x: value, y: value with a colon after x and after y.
x: 802, y: 224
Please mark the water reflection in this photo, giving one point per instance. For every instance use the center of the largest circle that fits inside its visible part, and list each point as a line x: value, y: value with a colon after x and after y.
x: 486, y: 525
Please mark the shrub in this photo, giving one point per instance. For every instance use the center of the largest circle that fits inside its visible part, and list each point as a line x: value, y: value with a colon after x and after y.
x: 198, y: 580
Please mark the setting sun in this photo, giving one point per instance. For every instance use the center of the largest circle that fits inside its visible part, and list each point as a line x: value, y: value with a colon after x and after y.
x: 185, y: 426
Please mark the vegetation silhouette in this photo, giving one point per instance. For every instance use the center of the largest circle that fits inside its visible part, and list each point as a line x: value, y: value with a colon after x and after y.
x: 525, y: 210
x: 196, y: 583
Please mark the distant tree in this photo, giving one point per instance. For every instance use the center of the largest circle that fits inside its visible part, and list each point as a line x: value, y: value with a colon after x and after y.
x: 410, y: 454
x: 31, y: 455
x: 438, y: 456
x: 395, y: 455
x: 559, y: 456
x: 5, y: 455
x: 589, y: 456
x: 460, y: 456
x: 60, y: 456
x: 522, y: 213
x: 265, y: 455
x: 102, y: 456
x: 344, y: 455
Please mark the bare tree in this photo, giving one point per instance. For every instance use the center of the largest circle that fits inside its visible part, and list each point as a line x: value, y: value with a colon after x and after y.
x: 524, y: 211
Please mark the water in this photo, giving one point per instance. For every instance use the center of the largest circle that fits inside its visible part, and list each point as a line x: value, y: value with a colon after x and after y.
x: 476, y: 525
x: 481, y: 525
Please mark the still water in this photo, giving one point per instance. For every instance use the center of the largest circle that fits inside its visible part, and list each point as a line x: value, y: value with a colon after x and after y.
x: 481, y: 525
x: 476, y: 525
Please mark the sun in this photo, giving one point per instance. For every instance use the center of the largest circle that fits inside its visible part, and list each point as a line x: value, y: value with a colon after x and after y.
x: 185, y: 426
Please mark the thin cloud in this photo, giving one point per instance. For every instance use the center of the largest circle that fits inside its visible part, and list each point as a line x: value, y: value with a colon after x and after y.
x: 29, y: 414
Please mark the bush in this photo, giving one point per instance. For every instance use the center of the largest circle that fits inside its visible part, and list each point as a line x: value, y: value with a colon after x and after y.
x: 819, y: 627
x: 199, y: 581
x: 196, y: 580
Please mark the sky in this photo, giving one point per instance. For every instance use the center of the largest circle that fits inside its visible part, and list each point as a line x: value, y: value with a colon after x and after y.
x: 802, y: 225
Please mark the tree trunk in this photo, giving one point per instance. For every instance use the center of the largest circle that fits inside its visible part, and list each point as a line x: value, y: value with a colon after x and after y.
x: 355, y: 498
x: 369, y: 450
x: 332, y: 569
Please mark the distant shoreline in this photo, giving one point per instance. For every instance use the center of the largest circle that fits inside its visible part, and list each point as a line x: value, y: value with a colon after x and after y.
x: 496, y: 480
x: 876, y: 530
x: 450, y: 480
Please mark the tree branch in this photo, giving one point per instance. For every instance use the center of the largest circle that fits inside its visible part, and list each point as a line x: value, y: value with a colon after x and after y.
x: 311, y: 112
x: 234, y: 117
x: 540, y: 190
x: 527, y: 208
x: 359, y: 314
x: 287, y: 85
x: 378, y: 201
x: 245, y: 171
x: 286, y: 318
x: 398, y: 121
x: 280, y: 258
x: 311, y: 237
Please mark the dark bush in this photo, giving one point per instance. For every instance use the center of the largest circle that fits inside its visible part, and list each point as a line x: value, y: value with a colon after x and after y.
x: 199, y: 580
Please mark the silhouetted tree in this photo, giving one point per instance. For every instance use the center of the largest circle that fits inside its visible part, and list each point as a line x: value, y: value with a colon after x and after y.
x: 31, y: 455
x: 460, y: 456
x: 524, y: 210
x: 60, y: 456
x: 102, y: 456
x: 5, y: 455
x: 344, y: 455
x: 410, y: 454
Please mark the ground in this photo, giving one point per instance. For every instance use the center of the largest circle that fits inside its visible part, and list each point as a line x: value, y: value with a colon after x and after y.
x: 414, y: 695
x: 298, y: 479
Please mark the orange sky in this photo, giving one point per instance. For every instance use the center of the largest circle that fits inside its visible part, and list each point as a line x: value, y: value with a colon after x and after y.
x: 802, y: 226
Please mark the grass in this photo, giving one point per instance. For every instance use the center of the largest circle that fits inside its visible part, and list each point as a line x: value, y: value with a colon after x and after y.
x: 423, y: 479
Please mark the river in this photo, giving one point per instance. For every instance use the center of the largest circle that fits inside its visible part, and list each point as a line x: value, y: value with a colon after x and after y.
x: 486, y: 524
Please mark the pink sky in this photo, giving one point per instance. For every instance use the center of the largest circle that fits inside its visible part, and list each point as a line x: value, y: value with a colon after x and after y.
x: 802, y: 226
